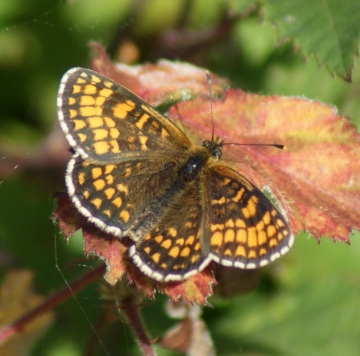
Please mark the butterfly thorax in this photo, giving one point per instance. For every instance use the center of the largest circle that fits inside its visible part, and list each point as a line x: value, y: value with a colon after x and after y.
x: 199, y: 157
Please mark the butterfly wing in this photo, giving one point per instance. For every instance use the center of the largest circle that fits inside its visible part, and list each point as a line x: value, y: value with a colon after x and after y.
x: 172, y: 250
x: 122, y: 198
x: 105, y: 122
x: 245, y: 228
x: 124, y: 153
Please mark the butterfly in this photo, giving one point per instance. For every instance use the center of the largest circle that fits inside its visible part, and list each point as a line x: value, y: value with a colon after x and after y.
x: 134, y: 173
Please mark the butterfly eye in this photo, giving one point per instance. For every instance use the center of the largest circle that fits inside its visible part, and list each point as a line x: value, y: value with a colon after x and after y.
x: 216, y: 153
x: 205, y: 143
x: 214, y: 148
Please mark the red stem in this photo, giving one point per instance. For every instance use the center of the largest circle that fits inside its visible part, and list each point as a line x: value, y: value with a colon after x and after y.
x: 132, y: 311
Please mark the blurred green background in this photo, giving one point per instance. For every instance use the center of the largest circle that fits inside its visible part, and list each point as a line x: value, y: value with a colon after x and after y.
x: 308, y: 303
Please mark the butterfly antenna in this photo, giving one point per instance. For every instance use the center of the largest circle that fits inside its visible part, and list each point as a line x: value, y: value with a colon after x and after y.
x: 255, y: 144
x: 208, y: 78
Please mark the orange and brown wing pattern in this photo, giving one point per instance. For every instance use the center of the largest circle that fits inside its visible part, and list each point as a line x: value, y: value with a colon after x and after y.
x: 245, y: 228
x: 127, y: 197
x: 172, y: 250
x: 104, y: 121
x: 135, y: 173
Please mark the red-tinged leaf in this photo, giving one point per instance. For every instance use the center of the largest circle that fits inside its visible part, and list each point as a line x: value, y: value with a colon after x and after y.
x: 67, y: 215
x: 315, y: 178
x: 160, y: 82
x: 194, y: 290
x: 108, y: 248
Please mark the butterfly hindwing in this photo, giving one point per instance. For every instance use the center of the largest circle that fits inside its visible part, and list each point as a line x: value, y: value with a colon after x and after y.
x: 126, y: 197
x: 173, y: 249
x: 246, y: 229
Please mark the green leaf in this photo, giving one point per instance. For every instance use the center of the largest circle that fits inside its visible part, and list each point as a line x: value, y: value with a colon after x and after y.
x: 328, y: 29
x: 242, y: 6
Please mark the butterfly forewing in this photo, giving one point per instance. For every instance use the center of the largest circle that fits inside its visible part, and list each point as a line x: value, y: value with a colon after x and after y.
x: 104, y: 121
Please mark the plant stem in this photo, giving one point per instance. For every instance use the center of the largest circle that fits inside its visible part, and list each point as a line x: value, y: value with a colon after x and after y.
x: 11, y: 329
x: 132, y: 311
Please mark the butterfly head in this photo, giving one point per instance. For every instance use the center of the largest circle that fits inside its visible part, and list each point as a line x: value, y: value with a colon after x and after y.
x: 214, y: 147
